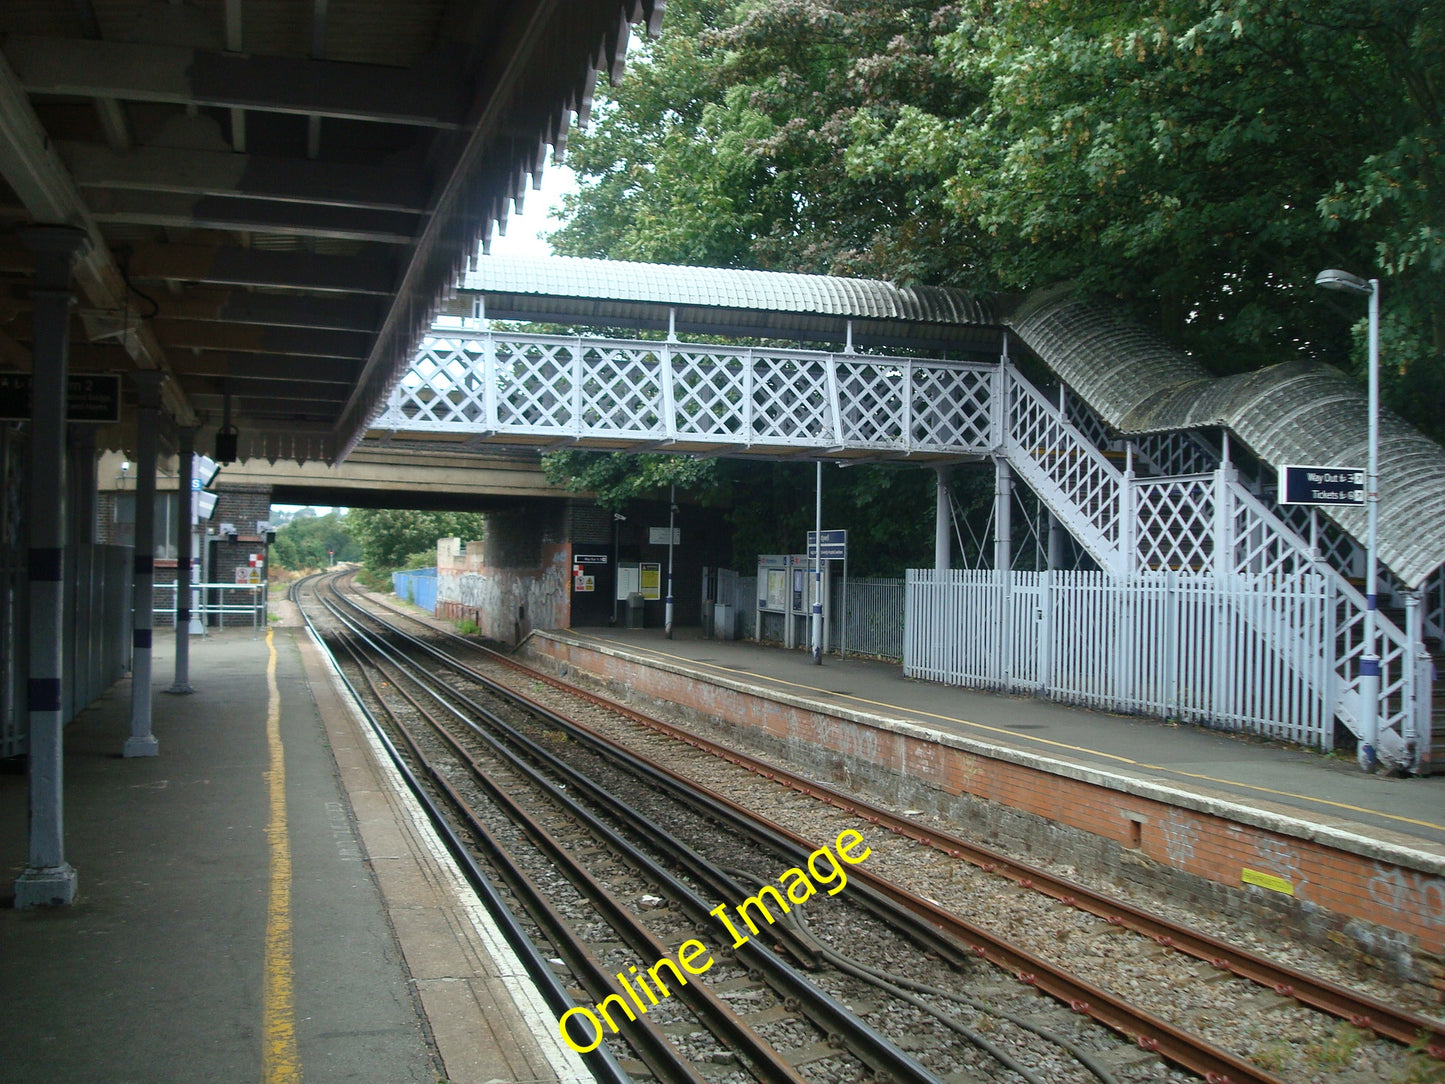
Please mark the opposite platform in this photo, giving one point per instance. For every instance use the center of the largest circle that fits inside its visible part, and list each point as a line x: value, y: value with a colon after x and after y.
x: 1303, y: 842
x: 1197, y: 760
x: 176, y: 964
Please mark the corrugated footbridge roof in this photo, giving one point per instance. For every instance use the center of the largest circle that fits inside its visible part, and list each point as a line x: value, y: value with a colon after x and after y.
x: 731, y: 302
x: 1287, y: 414
x: 1294, y: 413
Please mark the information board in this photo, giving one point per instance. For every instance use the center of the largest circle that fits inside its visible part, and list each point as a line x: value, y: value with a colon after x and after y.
x: 649, y: 580
x: 1321, y: 485
x: 89, y: 397
x: 777, y: 589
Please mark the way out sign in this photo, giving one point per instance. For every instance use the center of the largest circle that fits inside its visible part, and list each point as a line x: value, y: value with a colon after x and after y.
x: 1321, y: 485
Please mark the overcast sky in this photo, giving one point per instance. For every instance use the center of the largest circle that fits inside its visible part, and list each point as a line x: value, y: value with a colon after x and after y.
x: 522, y: 230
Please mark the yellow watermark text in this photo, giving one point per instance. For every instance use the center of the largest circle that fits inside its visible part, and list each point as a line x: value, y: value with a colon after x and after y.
x: 827, y: 867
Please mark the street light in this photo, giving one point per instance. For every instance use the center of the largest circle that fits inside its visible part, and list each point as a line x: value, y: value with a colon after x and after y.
x: 1335, y: 279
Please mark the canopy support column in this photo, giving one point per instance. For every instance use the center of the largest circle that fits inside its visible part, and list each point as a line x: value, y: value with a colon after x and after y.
x: 187, y: 446
x: 48, y: 879
x: 142, y: 741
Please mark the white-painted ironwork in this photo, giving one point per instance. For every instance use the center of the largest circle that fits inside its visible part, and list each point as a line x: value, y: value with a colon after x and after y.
x: 1245, y: 652
x: 1073, y: 478
x: 617, y: 393
x: 1176, y: 507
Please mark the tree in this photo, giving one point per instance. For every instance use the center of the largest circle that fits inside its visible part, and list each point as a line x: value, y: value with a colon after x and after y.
x: 1198, y: 160
x: 772, y: 505
x: 312, y: 541
x: 390, y: 536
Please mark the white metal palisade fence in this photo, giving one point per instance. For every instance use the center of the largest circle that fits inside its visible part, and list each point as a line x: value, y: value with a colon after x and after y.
x: 869, y: 621
x: 1244, y: 652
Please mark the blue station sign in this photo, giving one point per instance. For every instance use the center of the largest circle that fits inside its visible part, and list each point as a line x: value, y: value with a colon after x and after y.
x: 834, y: 545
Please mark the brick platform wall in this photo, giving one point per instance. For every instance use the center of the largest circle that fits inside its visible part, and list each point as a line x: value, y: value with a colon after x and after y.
x: 1384, y: 904
x: 241, y: 506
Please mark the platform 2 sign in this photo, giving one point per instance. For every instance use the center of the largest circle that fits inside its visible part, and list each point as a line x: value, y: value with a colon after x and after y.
x: 89, y: 397
x: 1321, y: 485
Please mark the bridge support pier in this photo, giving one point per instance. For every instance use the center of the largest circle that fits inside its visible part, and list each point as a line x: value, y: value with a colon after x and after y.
x: 1003, y: 504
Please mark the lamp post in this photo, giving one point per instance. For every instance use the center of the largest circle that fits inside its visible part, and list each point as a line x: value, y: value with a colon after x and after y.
x: 817, y: 626
x: 1334, y: 279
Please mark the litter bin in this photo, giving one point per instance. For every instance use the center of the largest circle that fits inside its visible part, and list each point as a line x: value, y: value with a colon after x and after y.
x: 707, y: 621
x: 634, y: 610
x: 723, y: 621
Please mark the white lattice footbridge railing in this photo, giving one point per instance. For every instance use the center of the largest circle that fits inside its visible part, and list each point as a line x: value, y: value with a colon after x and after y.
x: 620, y: 394
x: 1066, y: 469
x: 544, y: 390
x: 1210, y: 523
x: 1214, y: 523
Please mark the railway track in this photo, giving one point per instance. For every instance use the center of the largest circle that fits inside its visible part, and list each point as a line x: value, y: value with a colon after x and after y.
x: 681, y: 851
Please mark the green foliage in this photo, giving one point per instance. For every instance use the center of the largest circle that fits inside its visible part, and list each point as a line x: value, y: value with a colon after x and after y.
x: 390, y: 538
x: 615, y: 479
x: 1421, y: 1068
x: 312, y: 541
x: 1198, y: 160
x: 888, y: 512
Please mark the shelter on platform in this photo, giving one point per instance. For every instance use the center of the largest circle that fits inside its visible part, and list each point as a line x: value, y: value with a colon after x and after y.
x: 236, y: 223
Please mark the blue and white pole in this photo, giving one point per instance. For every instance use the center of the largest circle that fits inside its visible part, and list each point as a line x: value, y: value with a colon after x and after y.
x: 667, y: 605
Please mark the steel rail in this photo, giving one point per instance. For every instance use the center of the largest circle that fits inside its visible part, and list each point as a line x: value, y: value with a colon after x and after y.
x: 827, y: 1012
x: 1360, y: 1009
x: 661, y: 1057
x: 602, y: 1063
x: 1149, y: 1032
x: 1318, y: 993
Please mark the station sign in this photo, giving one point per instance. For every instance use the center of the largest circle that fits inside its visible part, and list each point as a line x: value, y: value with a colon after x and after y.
x: 834, y: 545
x: 1321, y: 485
x: 89, y: 397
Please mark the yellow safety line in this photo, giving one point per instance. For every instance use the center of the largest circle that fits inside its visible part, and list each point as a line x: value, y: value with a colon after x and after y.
x: 1041, y: 741
x: 280, y: 1062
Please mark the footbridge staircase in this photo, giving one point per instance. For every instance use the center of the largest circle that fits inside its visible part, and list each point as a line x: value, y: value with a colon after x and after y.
x: 1161, y: 510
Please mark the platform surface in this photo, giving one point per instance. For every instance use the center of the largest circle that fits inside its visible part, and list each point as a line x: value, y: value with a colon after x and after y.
x: 1266, y: 775
x: 158, y: 973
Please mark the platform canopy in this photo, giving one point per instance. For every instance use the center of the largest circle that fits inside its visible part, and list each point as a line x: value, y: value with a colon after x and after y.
x: 278, y: 196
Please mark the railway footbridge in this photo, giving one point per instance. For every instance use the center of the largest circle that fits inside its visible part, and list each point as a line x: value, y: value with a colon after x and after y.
x: 1163, y: 477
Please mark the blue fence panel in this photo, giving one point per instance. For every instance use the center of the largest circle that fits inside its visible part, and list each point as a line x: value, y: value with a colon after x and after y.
x: 418, y: 586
